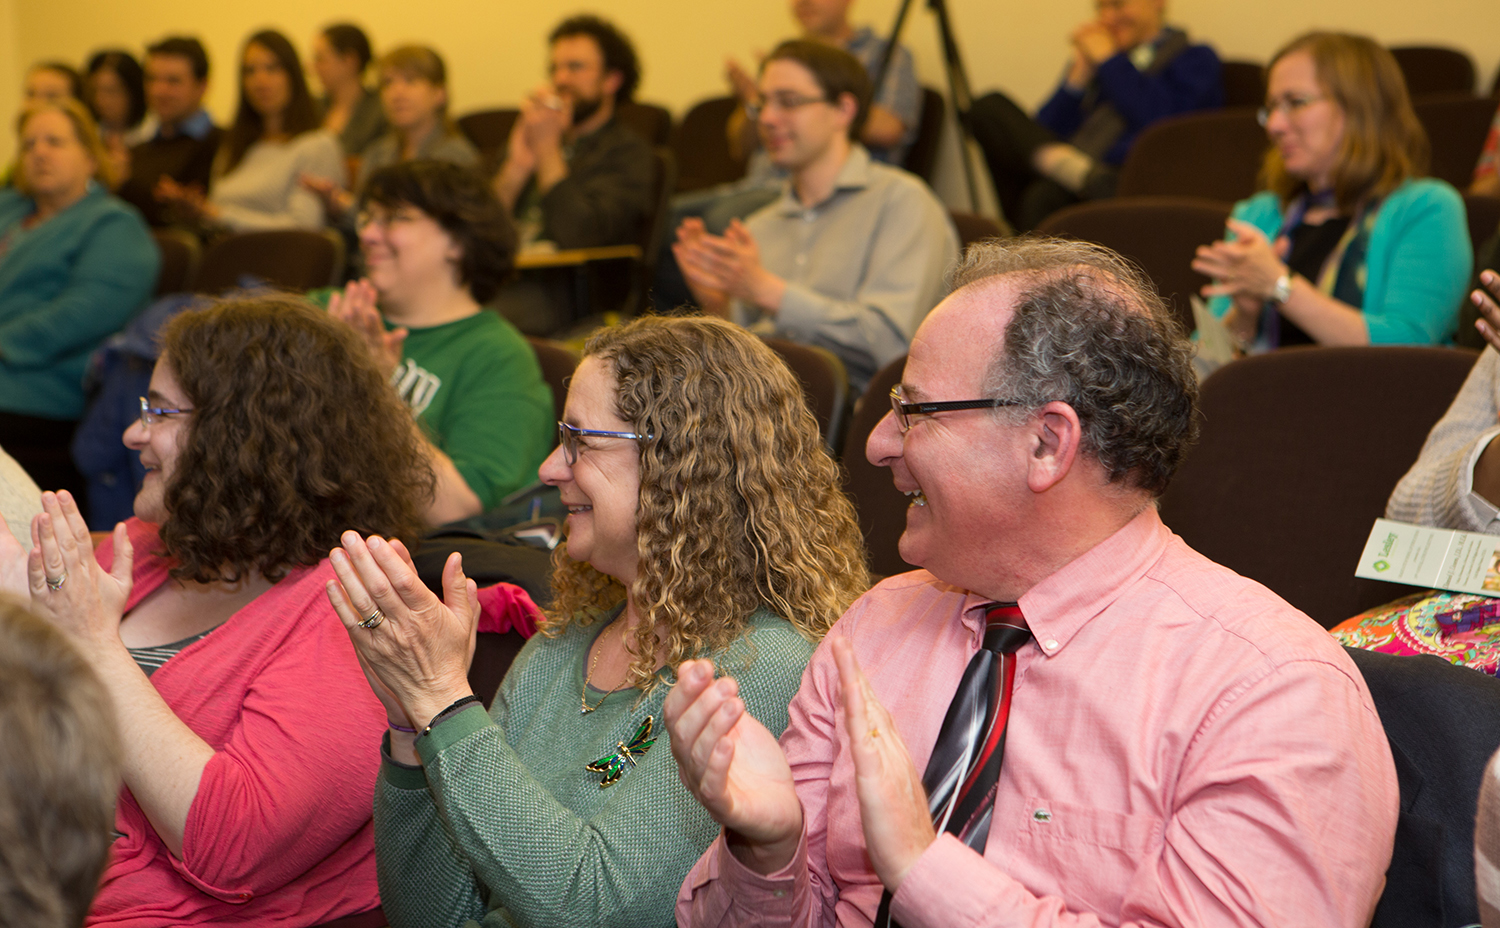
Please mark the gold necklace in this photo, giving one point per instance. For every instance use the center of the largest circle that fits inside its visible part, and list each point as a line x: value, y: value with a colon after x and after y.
x: 583, y: 695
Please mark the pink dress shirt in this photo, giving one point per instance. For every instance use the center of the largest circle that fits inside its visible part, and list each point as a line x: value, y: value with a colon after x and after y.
x: 1184, y: 748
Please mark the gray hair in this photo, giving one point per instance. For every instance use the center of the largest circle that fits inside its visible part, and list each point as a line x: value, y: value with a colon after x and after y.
x: 1090, y: 330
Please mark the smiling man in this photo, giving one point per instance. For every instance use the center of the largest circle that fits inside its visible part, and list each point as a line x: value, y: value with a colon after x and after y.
x: 1114, y: 730
x: 572, y: 174
x: 852, y: 255
x: 186, y: 139
x: 1128, y: 70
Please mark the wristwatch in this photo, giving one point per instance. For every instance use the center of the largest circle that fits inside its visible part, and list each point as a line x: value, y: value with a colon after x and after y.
x: 1282, y: 291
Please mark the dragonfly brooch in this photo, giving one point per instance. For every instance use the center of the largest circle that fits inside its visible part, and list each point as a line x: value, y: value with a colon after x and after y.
x: 614, y: 764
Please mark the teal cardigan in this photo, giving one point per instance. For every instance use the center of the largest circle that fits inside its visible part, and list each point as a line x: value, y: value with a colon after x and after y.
x: 65, y: 286
x: 1417, y: 267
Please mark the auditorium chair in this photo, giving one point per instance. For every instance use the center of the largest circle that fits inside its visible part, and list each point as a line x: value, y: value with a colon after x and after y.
x: 701, y: 146
x: 880, y: 506
x: 180, y: 254
x: 289, y: 259
x: 825, y: 383
x: 1214, y: 154
x: 1456, y: 125
x: 1430, y: 69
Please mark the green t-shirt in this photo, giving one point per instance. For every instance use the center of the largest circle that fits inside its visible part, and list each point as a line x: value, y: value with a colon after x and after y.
x: 477, y: 389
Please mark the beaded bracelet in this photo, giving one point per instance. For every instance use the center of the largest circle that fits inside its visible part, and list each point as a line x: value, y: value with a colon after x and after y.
x: 458, y: 704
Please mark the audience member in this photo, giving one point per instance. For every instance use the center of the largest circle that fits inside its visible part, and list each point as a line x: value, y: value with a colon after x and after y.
x: 414, y: 96
x: 115, y: 92
x: 340, y: 55
x: 852, y: 255
x: 437, y: 244
x: 75, y: 265
x: 1486, y: 180
x: 247, y: 719
x: 51, y: 82
x: 1129, y: 69
x: 1487, y: 846
x: 572, y: 174
x: 1455, y: 482
x: 1351, y: 244
x: 182, y: 148
x: 890, y: 127
x: 542, y: 814
x: 20, y: 497
x: 274, y: 142
x: 1142, y: 737
x: 59, y: 774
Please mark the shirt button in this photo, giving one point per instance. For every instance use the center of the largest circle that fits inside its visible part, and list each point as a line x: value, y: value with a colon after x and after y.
x: 779, y: 893
x: 1050, y: 644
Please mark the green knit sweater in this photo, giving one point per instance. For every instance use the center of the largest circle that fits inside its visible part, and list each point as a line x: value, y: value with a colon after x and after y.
x: 505, y: 826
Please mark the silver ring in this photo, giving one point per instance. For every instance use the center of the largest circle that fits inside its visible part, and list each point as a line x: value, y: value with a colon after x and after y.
x: 55, y: 585
x: 373, y: 619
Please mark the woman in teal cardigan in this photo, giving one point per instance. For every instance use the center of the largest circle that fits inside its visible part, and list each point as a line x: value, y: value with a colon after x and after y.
x: 75, y: 265
x: 1350, y: 245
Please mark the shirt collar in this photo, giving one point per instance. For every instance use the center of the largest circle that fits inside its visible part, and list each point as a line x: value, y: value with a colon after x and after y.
x: 1063, y: 603
x: 854, y: 175
x: 196, y: 126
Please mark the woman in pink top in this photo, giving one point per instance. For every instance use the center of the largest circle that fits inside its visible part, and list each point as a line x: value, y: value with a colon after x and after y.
x: 245, y: 719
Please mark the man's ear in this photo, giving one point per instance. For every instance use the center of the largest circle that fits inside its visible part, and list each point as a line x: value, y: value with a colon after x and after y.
x: 1057, y: 435
x: 848, y: 106
x: 613, y: 81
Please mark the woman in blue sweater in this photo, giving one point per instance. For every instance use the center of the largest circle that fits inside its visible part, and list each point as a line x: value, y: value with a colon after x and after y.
x: 1350, y: 245
x: 75, y: 265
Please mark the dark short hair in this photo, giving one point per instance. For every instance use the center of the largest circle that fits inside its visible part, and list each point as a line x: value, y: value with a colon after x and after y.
x: 124, y: 66
x: 183, y: 47
x: 75, y: 80
x: 460, y: 200
x: 59, y: 774
x: 1089, y: 329
x: 301, y: 112
x: 836, y: 72
x: 349, y: 39
x: 295, y: 437
x: 619, y: 53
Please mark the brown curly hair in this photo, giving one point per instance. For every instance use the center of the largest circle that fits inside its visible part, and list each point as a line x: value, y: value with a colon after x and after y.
x: 740, y: 504
x: 295, y: 437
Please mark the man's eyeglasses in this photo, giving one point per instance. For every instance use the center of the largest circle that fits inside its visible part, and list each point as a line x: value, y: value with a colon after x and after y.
x: 786, y: 102
x: 1289, y: 105
x: 906, y: 411
x: 150, y: 415
x: 568, y: 436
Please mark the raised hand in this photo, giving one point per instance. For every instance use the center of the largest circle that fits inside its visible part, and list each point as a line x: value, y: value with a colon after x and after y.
x: 733, y: 766
x: 1488, y: 322
x: 67, y: 585
x: 356, y: 306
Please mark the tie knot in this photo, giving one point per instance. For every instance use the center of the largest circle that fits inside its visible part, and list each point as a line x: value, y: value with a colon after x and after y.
x: 1005, y: 628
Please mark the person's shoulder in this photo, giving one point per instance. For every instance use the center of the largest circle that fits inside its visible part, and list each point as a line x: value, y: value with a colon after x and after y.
x: 1425, y: 191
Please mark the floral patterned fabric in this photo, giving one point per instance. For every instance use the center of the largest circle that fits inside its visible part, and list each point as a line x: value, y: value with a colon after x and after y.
x: 1428, y: 623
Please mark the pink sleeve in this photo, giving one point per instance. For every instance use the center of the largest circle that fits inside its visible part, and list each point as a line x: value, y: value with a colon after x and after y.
x: 1281, y: 816
x: 506, y: 607
x: 296, y: 779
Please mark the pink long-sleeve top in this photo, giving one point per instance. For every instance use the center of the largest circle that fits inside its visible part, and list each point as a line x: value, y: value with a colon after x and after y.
x: 1184, y: 748
x: 280, y: 832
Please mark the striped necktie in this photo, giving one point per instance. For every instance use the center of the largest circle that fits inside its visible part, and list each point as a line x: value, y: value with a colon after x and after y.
x: 965, y: 764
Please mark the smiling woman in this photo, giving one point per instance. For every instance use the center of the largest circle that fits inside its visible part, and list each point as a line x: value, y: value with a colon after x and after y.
x: 1350, y: 244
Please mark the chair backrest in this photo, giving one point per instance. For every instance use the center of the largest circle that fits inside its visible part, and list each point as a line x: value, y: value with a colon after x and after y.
x: 973, y: 227
x: 1300, y: 449
x: 701, y: 145
x: 292, y: 259
x: 1434, y: 69
x: 880, y: 506
x: 653, y: 122
x: 180, y: 254
x: 1484, y: 219
x: 489, y: 130
x: 922, y: 155
x: 825, y: 382
x: 653, y: 230
x: 1456, y: 125
x: 1244, y: 83
x: 1158, y: 233
x: 1443, y: 723
x: 1214, y: 154
x: 558, y: 363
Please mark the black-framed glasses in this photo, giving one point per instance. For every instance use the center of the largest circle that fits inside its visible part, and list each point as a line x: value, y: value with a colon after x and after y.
x: 568, y: 435
x: 905, y: 411
x: 1291, y: 105
x: 786, y: 102
x: 150, y: 415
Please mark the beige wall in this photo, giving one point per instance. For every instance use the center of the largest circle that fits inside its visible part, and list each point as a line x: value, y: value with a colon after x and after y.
x: 495, y: 49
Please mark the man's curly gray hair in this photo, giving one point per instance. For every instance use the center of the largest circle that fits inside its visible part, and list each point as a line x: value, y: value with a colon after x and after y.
x: 1090, y: 330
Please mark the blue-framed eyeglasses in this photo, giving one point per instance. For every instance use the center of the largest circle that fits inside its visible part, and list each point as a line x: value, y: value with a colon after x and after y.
x: 150, y: 415
x: 568, y: 435
x: 905, y: 411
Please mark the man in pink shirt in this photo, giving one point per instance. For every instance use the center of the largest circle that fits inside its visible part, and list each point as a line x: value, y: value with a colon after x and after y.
x: 1183, y: 747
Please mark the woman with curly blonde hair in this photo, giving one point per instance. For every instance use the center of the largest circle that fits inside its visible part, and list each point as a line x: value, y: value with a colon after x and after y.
x: 704, y: 519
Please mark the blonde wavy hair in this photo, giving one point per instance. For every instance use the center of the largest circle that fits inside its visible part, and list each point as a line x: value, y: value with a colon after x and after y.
x: 84, y: 129
x: 740, y: 505
x: 1384, y: 143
